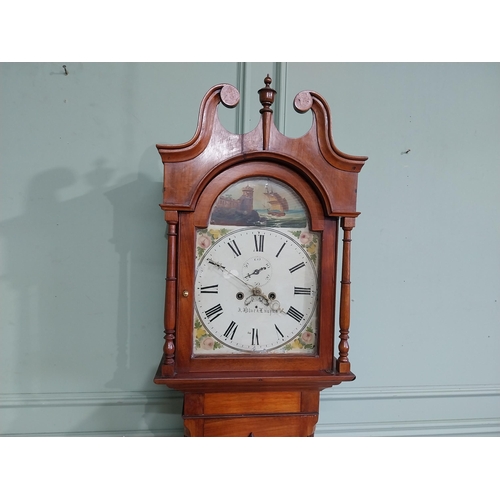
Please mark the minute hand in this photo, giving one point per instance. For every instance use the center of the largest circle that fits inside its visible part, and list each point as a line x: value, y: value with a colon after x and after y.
x: 254, y: 289
x: 220, y: 266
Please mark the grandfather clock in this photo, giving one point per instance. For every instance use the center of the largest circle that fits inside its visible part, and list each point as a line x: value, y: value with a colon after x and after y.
x: 254, y: 223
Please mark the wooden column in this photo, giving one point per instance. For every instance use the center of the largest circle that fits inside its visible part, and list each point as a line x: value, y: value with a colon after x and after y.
x: 167, y: 368
x: 266, y: 96
x: 343, y: 364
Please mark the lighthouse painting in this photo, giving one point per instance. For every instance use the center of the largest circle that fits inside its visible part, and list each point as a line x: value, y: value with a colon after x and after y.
x: 259, y: 201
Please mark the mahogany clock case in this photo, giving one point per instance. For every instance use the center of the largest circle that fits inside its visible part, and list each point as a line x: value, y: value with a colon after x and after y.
x: 195, y: 175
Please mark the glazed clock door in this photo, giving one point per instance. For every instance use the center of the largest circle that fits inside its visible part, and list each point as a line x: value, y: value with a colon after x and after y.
x: 255, y: 275
x: 256, y: 284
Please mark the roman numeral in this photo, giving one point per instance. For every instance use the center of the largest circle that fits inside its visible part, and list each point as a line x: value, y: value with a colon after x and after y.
x: 214, y: 312
x: 259, y: 242
x: 209, y: 289
x: 231, y: 330
x: 298, y: 266
x: 279, y: 251
x: 234, y: 247
x: 279, y: 331
x: 255, y: 336
x: 296, y: 315
x: 298, y: 290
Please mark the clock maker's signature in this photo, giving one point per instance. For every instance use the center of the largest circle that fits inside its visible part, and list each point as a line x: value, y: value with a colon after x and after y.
x: 258, y: 310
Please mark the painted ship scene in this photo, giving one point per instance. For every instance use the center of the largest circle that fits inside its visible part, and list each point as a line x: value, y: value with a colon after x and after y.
x: 259, y: 203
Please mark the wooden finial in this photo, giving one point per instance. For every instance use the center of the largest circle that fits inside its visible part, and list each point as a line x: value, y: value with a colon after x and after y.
x: 266, y: 96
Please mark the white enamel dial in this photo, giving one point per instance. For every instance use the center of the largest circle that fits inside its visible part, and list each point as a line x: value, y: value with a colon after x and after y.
x: 255, y: 289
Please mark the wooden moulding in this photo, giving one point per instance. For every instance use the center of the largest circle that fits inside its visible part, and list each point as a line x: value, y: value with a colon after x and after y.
x: 265, y: 381
x: 189, y: 167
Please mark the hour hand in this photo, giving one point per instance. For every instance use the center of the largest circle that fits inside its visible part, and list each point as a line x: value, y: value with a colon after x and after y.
x: 257, y: 271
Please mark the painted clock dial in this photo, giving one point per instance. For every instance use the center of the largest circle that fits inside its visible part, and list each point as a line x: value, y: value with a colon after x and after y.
x: 256, y: 284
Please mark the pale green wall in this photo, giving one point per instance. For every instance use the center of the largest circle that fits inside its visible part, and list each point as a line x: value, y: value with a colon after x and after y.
x: 83, y: 248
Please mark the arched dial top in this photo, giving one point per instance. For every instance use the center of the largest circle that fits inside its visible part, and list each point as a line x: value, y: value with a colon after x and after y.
x: 256, y: 282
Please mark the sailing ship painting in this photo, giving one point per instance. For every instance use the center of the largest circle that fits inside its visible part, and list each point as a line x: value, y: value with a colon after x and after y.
x: 259, y: 202
x: 278, y: 204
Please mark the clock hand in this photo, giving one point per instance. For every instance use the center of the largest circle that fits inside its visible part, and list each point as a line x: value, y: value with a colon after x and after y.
x: 256, y: 291
x: 257, y: 271
x: 224, y: 268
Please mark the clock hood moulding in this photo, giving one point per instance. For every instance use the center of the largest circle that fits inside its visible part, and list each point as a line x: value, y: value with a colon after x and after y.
x: 192, y: 165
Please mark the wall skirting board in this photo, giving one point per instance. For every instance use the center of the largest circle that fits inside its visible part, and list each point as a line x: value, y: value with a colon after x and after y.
x: 430, y: 428
x: 371, y: 411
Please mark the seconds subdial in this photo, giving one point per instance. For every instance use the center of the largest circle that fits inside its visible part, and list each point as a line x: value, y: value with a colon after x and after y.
x: 257, y: 271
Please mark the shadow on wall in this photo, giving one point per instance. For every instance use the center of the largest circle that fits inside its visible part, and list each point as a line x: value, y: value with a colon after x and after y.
x: 87, y: 321
x: 141, y: 248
